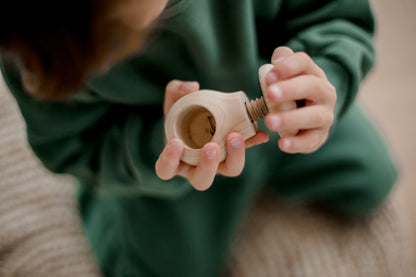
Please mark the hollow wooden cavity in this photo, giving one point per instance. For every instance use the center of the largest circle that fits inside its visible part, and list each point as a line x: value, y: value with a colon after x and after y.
x: 196, y: 127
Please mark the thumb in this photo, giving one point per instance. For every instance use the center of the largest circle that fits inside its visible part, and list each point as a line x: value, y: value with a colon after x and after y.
x: 175, y: 90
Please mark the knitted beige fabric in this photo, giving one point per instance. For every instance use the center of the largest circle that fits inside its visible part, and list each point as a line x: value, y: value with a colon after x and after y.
x: 279, y: 240
x: 40, y: 232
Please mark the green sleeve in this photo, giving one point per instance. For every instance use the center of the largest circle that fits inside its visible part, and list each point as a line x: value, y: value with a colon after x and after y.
x: 338, y: 36
x: 109, y: 147
x: 351, y: 173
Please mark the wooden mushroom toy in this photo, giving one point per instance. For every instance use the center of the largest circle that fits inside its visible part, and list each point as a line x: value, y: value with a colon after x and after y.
x: 207, y: 115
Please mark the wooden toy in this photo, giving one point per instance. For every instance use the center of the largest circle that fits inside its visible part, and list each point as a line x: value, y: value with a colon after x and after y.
x: 207, y: 115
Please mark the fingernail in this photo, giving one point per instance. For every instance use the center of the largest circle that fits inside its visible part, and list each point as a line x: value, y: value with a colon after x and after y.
x: 275, y: 120
x: 188, y: 85
x: 173, y: 145
x: 276, y: 92
x: 211, y: 153
x: 271, y: 77
x: 278, y: 59
x: 286, y: 144
x: 236, y: 143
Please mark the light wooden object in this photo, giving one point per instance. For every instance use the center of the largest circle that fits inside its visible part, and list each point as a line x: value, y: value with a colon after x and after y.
x: 205, y: 116
x: 208, y: 115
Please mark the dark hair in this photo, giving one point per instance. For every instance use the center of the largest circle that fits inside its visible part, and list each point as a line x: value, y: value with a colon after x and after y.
x: 60, y: 44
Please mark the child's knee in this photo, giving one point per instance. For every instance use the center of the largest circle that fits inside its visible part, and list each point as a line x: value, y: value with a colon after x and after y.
x: 378, y: 180
x: 372, y: 172
x: 365, y: 189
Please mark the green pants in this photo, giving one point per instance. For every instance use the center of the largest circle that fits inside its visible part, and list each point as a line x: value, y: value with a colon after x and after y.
x: 352, y: 173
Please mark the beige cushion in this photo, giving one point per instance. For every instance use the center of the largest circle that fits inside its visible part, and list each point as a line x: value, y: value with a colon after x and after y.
x: 40, y: 233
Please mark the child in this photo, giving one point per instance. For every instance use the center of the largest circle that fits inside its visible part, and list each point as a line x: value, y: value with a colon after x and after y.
x: 109, y: 133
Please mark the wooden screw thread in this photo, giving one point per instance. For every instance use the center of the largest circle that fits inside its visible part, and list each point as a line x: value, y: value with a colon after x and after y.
x: 257, y: 109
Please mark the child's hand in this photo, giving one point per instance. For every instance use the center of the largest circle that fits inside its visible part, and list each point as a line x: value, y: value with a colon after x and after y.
x: 296, y: 77
x: 201, y: 176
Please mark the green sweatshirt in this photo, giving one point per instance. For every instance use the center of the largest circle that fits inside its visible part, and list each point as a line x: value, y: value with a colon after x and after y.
x: 110, y: 134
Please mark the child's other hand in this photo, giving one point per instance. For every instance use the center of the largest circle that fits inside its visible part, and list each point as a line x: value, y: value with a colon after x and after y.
x: 169, y: 163
x: 294, y: 77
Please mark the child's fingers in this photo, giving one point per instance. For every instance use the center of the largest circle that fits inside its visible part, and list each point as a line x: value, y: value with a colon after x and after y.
x: 203, y: 175
x: 306, y: 142
x: 294, y: 65
x: 280, y: 53
x: 259, y: 138
x: 169, y: 160
x: 176, y: 89
x: 308, y: 87
x: 234, y: 163
x: 172, y: 94
x: 309, y: 117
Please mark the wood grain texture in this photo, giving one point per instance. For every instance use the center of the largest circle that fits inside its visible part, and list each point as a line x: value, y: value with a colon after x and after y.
x: 205, y: 116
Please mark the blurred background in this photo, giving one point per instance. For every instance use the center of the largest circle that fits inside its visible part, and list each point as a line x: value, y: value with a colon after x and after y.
x: 389, y: 92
